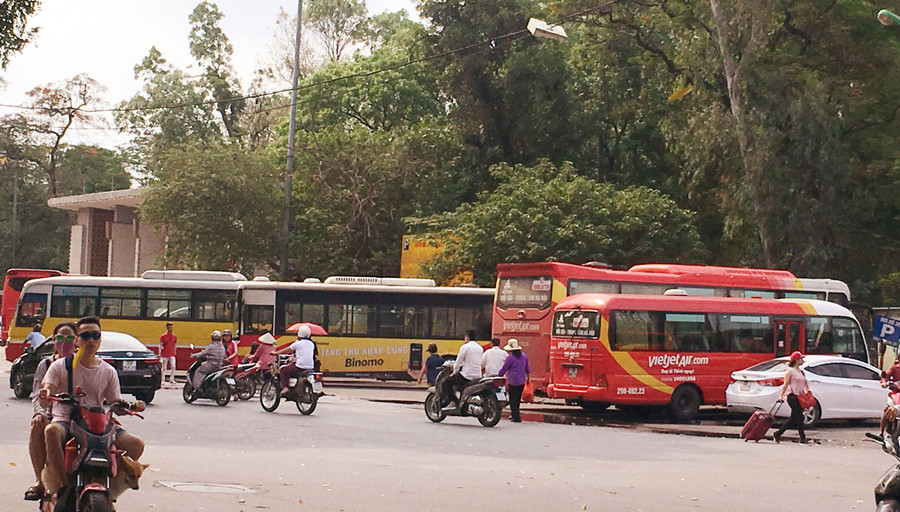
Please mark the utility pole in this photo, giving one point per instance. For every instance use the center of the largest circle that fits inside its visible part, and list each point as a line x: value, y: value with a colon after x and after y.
x: 14, y: 235
x: 289, y: 171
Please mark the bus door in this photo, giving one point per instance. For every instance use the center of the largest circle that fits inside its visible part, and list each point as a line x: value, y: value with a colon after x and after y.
x: 788, y: 334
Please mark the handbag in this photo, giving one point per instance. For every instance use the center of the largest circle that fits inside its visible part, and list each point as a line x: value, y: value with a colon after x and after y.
x: 806, y: 399
x: 528, y: 393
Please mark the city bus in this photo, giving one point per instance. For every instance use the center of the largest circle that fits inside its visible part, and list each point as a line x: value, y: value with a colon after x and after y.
x: 680, y: 351
x: 377, y: 327
x: 12, y: 287
x: 527, y: 292
x: 197, y: 302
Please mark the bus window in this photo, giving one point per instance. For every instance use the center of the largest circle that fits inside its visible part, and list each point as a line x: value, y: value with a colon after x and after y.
x: 752, y: 294
x: 351, y: 319
x: 847, y: 338
x: 588, y: 286
x: 443, y: 321
x: 169, y: 304
x: 74, y: 301
x: 644, y: 289
x: 212, y: 305
x: 120, y: 303
x: 748, y: 333
x: 395, y: 321
x: 818, y: 336
x: 257, y: 319
x: 703, y: 292
x: 634, y: 330
x: 525, y: 292
x: 805, y: 295
x: 687, y: 332
x: 31, y: 309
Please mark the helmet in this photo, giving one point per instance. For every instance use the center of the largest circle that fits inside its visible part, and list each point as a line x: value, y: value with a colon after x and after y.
x: 216, y: 335
x: 228, y: 332
x: 303, y: 332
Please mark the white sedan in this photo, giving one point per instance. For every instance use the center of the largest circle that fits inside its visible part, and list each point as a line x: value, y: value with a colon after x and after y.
x: 844, y: 388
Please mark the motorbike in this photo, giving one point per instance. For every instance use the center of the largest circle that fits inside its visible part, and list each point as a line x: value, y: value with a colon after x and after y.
x: 218, y: 385
x: 90, y: 454
x: 248, y: 378
x: 303, y: 391
x: 484, y: 398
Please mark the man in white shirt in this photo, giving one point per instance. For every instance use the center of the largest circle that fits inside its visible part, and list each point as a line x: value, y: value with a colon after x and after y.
x: 305, y: 354
x: 468, y: 363
x: 493, y: 358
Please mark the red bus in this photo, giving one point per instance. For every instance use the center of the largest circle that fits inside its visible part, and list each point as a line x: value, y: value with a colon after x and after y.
x: 12, y: 288
x: 680, y: 351
x: 527, y: 292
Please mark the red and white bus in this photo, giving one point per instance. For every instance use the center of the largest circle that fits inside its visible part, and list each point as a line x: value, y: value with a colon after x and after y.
x: 680, y: 351
x: 527, y: 293
x: 12, y: 288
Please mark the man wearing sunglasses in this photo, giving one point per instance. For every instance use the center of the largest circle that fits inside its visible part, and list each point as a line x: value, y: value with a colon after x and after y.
x: 99, y: 382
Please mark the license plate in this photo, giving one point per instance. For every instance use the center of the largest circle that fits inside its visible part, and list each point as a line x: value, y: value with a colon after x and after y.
x: 317, y: 387
x: 501, y: 395
x: 229, y: 381
x: 745, y: 386
x: 129, y: 366
x: 573, y: 372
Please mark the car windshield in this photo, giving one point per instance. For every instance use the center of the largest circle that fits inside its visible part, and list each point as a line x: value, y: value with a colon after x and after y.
x: 772, y: 365
x: 117, y: 341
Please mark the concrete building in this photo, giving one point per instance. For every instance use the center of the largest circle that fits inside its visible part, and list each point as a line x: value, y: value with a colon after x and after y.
x: 107, y: 238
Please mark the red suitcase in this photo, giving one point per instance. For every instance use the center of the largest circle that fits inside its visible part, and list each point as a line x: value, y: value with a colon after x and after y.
x: 759, y: 423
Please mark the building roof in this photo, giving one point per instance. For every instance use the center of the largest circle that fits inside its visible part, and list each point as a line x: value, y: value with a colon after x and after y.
x: 101, y: 200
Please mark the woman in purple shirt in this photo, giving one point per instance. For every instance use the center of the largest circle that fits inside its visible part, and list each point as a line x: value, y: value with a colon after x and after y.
x: 517, y: 372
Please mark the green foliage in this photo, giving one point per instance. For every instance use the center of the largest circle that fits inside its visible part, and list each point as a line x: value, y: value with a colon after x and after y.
x: 89, y: 169
x: 218, y: 206
x: 337, y: 23
x: 14, y: 32
x: 212, y: 50
x: 547, y: 213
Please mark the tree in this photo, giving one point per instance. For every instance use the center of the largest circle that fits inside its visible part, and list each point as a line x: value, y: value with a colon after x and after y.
x: 14, y: 33
x: 547, y: 213
x: 38, y: 137
x: 337, y: 24
x: 212, y: 50
x: 217, y: 205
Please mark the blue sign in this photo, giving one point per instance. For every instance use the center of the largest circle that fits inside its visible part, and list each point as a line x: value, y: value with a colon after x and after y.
x: 887, y: 329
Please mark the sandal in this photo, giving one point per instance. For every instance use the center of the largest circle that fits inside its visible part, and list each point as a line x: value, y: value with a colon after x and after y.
x: 35, y: 493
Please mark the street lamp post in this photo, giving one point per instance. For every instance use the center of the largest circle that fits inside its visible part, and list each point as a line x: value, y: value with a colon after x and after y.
x: 887, y: 18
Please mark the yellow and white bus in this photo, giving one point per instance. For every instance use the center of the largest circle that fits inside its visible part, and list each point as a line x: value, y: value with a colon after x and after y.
x: 197, y: 302
x: 377, y: 327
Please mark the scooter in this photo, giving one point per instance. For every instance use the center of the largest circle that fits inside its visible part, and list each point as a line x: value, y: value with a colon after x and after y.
x: 247, y: 379
x: 218, y: 385
x: 304, y: 391
x: 90, y: 454
x: 484, y: 398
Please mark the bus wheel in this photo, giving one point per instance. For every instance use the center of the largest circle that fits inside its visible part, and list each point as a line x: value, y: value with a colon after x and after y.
x: 594, y: 406
x: 685, y: 403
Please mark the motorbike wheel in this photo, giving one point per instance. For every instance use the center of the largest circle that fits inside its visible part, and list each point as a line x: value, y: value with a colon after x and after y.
x: 223, y: 394
x: 94, y: 501
x: 307, y: 401
x: 433, y: 408
x: 270, y: 395
x: 244, y: 389
x: 186, y: 392
x: 491, y: 410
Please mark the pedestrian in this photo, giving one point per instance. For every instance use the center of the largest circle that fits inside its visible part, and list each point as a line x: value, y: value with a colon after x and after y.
x: 35, y: 338
x: 63, y: 345
x: 493, y: 358
x: 432, y: 365
x: 167, y: 352
x: 794, y: 385
x: 518, y: 373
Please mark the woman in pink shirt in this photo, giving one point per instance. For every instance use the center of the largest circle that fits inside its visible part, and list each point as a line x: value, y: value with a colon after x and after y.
x: 265, y: 353
x: 794, y: 384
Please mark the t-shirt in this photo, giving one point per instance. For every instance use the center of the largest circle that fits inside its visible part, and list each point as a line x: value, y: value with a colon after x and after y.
x: 492, y: 361
x: 304, y: 351
x: 35, y: 338
x: 168, y: 342
x: 893, y: 373
x: 432, y: 367
x: 468, y: 360
x: 99, y: 384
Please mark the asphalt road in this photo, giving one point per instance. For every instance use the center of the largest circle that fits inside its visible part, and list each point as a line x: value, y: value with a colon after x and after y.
x: 370, y: 449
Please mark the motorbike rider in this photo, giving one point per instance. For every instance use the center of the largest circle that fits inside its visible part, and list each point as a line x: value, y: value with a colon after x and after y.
x: 212, y: 356
x: 468, y: 364
x: 231, y: 348
x: 304, y: 352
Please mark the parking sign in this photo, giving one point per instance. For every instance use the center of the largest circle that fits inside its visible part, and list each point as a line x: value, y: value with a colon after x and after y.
x: 887, y: 329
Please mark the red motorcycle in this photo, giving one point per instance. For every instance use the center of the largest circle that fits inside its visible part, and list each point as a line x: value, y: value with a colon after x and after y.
x: 248, y: 378
x: 90, y: 454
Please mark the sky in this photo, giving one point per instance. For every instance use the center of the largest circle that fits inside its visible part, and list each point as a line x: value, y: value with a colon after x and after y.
x: 106, y: 38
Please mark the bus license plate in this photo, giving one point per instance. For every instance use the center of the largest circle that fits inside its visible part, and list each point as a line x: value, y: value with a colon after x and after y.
x: 573, y: 372
x: 501, y: 394
x: 129, y: 366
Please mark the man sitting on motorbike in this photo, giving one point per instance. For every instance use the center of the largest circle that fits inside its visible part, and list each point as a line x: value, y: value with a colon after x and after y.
x: 212, y: 357
x: 467, y: 366
x: 304, y: 352
x: 100, y: 384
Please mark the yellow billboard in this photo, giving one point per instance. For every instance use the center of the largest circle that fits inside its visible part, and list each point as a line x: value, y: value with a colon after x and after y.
x: 417, y: 250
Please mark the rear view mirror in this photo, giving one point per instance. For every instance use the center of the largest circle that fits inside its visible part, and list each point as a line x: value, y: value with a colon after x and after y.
x: 192, y: 346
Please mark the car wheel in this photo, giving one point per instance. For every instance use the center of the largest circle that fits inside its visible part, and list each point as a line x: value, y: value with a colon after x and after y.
x: 812, y: 416
x: 20, y: 387
x: 146, y: 396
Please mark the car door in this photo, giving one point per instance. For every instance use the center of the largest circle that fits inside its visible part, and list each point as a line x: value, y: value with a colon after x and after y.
x: 867, y: 397
x: 827, y: 383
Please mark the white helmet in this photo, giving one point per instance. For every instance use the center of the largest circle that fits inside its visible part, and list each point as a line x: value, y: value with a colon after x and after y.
x: 303, y: 332
x: 227, y: 331
x: 216, y: 335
